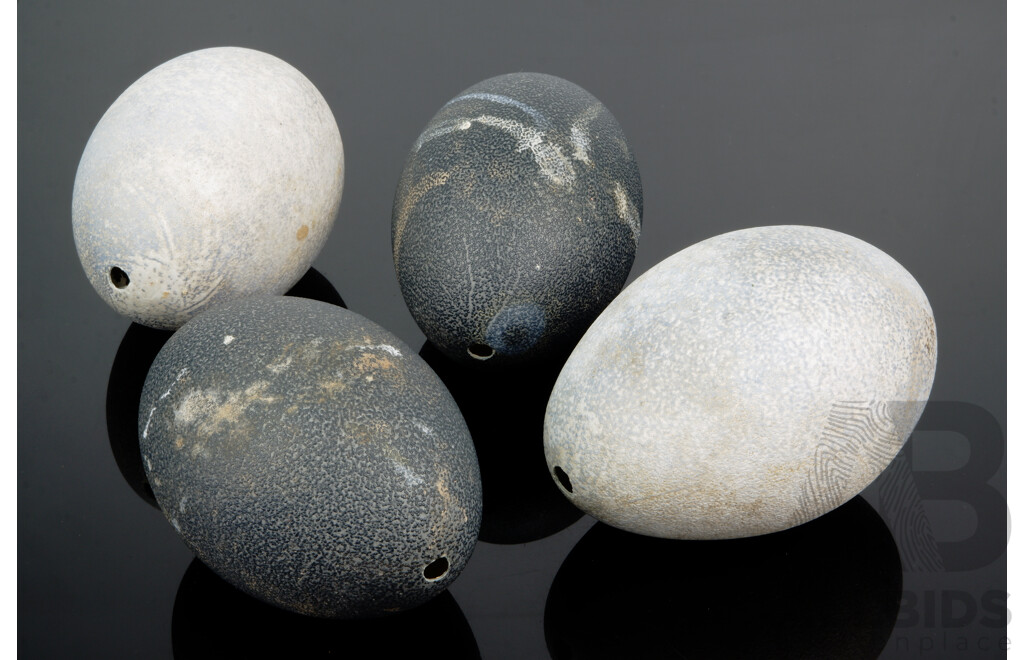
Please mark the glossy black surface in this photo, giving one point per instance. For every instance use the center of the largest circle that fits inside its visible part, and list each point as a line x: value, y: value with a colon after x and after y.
x: 884, y: 120
x: 505, y: 413
x: 212, y: 619
x: 826, y: 589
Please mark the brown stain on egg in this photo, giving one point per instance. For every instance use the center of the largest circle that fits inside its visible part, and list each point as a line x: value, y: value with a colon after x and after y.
x: 217, y: 415
x: 451, y: 512
x: 410, y: 199
x: 930, y: 336
x: 302, y: 233
x: 332, y: 387
x: 231, y: 410
x: 369, y: 431
x: 372, y: 362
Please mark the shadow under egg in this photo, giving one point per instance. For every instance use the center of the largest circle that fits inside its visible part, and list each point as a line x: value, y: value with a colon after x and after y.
x: 315, y: 286
x: 504, y: 411
x: 827, y: 589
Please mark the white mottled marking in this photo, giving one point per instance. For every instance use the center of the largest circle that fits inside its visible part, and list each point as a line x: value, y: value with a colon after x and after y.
x: 504, y: 100
x: 196, y: 405
x: 423, y: 427
x: 387, y: 348
x: 580, y: 144
x: 443, y: 129
x: 228, y: 339
x: 280, y: 366
x: 411, y: 478
x: 627, y: 211
x: 549, y: 157
x: 145, y: 431
x: 579, y: 134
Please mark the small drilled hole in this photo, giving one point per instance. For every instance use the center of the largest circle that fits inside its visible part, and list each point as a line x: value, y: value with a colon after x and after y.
x: 436, y: 569
x: 563, y: 478
x: 119, y: 278
x: 480, y: 351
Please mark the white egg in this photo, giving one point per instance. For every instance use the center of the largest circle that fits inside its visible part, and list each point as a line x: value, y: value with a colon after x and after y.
x: 217, y: 175
x: 744, y: 385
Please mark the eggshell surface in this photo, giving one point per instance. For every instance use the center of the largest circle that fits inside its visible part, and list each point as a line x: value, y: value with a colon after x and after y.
x: 516, y: 219
x: 215, y: 176
x: 744, y: 385
x: 310, y: 458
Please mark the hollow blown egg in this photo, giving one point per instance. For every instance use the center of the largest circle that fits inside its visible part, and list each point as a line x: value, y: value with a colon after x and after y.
x: 744, y: 385
x: 215, y: 176
x: 310, y: 458
x: 516, y: 219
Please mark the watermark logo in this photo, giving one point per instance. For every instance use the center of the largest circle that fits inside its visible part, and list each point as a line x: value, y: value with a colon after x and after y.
x: 903, y: 491
x: 949, y: 622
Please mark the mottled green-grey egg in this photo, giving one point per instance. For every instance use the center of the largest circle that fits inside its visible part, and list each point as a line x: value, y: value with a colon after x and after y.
x: 744, y: 385
x: 310, y: 458
x: 516, y: 219
x: 215, y: 176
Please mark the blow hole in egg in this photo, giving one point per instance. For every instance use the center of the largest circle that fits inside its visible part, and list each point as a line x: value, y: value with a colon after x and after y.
x: 436, y: 569
x: 480, y: 351
x: 563, y: 478
x: 119, y: 278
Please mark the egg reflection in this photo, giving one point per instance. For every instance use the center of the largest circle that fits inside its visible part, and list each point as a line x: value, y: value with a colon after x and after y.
x: 505, y: 414
x: 827, y: 589
x: 135, y: 355
x: 212, y: 619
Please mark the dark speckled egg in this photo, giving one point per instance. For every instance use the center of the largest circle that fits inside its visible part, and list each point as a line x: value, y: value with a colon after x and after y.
x: 516, y: 219
x: 310, y: 458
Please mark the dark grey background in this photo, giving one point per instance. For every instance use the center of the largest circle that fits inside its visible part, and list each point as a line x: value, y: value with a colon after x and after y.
x: 885, y: 120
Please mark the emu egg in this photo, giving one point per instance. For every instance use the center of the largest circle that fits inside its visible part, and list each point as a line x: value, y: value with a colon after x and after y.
x: 744, y: 385
x: 215, y: 176
x: 516, y: 219
x: 310, y: 458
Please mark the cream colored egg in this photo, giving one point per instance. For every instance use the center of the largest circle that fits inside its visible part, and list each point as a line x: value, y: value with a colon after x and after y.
x: 744, y: 385
x: 215, y: 176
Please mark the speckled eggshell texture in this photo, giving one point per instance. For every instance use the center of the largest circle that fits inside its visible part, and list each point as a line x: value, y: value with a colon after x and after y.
x: 310, y: 458
x: 215, y: 176
x: 516, y: 219
x: 744, y: 385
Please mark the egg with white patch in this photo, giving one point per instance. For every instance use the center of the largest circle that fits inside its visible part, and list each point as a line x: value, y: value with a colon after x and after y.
x: 215, y: 176
x: 747, y: 384
x: 310, y: 458
x: 516, y: 219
